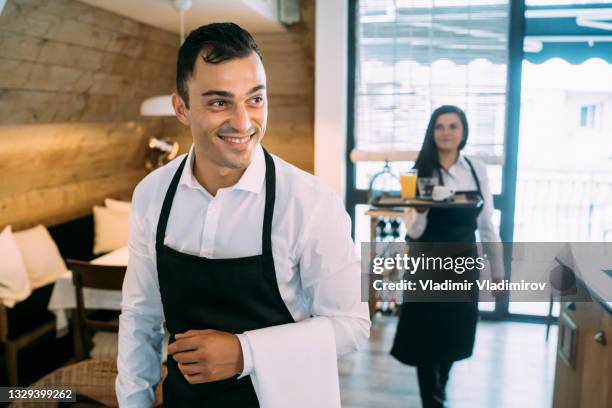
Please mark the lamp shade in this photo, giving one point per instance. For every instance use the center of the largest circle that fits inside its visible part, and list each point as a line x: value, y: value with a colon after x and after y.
x: 157, y: 106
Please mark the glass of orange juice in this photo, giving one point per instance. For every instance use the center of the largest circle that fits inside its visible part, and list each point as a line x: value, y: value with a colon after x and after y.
x: 408, y: 181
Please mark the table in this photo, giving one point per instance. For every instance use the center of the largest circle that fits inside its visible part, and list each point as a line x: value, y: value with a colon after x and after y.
x: 63, y: 297
x: 374, y: 214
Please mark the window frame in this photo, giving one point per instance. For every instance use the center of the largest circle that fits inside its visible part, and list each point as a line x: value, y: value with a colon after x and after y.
x: 505, y: 202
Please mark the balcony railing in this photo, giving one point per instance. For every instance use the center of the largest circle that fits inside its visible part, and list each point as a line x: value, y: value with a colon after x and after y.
x: 563, y: 205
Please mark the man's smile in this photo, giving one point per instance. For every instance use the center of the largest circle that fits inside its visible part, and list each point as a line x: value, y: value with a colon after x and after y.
x: 237, y: 141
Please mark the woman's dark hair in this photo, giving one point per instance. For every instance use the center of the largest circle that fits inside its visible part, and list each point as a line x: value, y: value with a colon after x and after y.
x: 428, y: 162
x: 220, y: 42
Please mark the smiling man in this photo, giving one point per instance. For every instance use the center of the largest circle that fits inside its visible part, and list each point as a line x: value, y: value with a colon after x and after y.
x: 247, y: 259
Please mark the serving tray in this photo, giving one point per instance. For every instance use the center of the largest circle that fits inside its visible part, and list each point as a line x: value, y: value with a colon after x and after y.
x: 458, y: 200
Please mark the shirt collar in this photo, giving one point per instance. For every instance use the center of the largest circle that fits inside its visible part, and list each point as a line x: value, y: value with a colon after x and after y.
x: 252, y: 179
x: 461, y: 162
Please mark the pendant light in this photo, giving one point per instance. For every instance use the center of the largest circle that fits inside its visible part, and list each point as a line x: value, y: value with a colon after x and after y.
x: 161, y: 105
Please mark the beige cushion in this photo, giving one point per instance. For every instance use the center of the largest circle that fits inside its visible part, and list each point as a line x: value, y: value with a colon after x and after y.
x: 117, y: 205
x: 111, y: 228
x: 14, y: 281
x: 42, y: 259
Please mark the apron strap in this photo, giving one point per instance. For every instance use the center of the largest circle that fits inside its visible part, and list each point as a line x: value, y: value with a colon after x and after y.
x: 167, y: 205
x: 472, y: 170
x: 474, y: 175
x: 266, y: 234
x: 440, y: 178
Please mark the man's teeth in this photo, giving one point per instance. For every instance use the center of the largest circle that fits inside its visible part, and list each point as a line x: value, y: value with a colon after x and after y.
x: 236, y: 139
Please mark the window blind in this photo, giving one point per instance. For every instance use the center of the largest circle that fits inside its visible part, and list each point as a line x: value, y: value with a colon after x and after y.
x: 415, y: 55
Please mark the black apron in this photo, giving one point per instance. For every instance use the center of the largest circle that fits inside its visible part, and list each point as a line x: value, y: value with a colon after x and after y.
x: 442, y: 332
x: 232, y: 295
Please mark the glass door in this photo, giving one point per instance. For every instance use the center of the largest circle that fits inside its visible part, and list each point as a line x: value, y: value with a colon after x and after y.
x: 564, y: 167
x: 407, y: 57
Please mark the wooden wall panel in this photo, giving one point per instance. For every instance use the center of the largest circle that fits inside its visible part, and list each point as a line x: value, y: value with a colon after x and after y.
x: 57, y: 172
x: 51, y: 206
x: 289, y: 62
x: 98, y: 65
x: 72, y: 78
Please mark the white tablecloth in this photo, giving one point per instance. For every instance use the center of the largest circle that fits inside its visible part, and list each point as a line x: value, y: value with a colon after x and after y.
x: 63, y: 297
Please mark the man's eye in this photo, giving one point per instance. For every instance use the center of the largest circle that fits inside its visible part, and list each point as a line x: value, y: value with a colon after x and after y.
x: 218, y: 104
x: 257, y: 99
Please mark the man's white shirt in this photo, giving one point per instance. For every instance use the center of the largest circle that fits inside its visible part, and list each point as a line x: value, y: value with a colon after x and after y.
x: 317, y: 267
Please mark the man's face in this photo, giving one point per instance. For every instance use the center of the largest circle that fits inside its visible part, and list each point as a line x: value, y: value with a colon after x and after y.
x: 228, y: 109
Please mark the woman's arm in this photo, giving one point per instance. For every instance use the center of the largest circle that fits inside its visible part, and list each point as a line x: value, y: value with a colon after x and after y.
x: 416, y: 221
x: 487, y: 232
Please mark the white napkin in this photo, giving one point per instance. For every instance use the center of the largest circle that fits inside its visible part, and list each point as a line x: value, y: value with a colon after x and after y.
x: 296, y: 365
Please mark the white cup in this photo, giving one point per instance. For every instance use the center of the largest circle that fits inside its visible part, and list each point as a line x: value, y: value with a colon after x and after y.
x: 441, y: 193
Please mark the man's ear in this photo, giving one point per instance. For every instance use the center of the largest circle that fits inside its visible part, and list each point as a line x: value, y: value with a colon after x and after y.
x: 180, y: 109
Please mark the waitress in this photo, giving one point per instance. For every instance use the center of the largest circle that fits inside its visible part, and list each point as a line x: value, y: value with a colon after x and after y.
x: 433, y: 335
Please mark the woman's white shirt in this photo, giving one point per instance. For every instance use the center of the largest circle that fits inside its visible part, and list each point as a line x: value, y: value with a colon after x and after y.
x: 459, y: 177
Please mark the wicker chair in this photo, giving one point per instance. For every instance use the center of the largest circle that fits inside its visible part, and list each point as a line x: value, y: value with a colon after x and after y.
x: 92, y: 379
x: 93, y: 382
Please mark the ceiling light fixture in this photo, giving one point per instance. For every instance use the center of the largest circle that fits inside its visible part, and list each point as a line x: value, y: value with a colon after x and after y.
x: 161, y: 105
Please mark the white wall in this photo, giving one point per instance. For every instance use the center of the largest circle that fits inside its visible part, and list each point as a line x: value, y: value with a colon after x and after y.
x: 331, y: 45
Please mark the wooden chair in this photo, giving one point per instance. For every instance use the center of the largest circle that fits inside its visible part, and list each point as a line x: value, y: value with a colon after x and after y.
x: 92, y: 379
x: 23, y: 325
x: 91, y: 276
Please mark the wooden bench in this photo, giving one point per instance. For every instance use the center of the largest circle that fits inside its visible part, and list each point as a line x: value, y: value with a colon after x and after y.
x: 30, y: 321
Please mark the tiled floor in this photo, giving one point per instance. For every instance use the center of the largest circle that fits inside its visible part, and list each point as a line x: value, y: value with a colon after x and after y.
x: 512, y: 367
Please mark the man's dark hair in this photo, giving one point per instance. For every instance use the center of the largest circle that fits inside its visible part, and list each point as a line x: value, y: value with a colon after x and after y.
x: 216, y: 42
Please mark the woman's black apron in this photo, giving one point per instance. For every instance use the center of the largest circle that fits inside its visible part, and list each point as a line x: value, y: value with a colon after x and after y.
x: 441, y: 332
x: 232, y: 295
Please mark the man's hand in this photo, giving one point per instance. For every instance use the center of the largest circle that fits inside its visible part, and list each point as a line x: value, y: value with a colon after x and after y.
x: 207, y: 355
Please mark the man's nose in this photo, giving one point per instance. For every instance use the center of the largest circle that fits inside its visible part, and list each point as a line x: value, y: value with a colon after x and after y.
x: 240, y: 119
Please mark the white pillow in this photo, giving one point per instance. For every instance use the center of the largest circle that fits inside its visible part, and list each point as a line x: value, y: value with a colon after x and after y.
x: 40, y: 255
x: 111, y: 229
x: 14, y: 281
x: 117, y: 205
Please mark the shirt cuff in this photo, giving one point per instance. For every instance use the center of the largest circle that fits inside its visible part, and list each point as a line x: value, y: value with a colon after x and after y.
x: 247, y: 357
